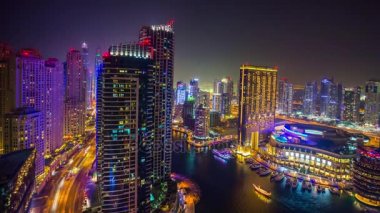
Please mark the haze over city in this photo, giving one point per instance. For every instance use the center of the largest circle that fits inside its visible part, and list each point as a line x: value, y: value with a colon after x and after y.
x: 183, y: 106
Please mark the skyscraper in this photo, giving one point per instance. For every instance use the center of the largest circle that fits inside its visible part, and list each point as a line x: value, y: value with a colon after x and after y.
x: 125, y: 128
x: 285, y: 97
x: 372, y: 103
x: 204, y: 98
x: 202, y: 122
x: 351, y: 104
x: 188, y: 114
x: 225, y: 104
x: 75, y: 94
x: 310, y: 98
x: 161, y: 39
x: 257, y: 101
x: 54, y: 104
x: 325, y: 96
x: 23, y: 129
x: 30, y: 94
x: 181, y: 93
x: 217, y: 102
x: 194, y: 88
x: 89, y: 74
x: 7, y: 86
x: 98, y: 64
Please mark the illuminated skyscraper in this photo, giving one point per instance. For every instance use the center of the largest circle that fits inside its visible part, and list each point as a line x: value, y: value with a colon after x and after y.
x: 327, y: 90
x: 218, y: 87
x: 54, y: 104
x: 204, y: 98
x: 23, y: 129
x: 310, y: 98
x: 257, y: 101
x: 7, y: 86
x: 202, y: 122
x: 125, y: 128
x: 75, y: 94
x: 194, y: 88
x: 98, y: 64
x: 217, y: 102
x: 31, y: 93
x: 89, y: 74
x: 161, y: 39
x: 372, y: 103
x: 188, y: 114
x: 285, y: 97
x: 351, y: 104
x: 181, y: 93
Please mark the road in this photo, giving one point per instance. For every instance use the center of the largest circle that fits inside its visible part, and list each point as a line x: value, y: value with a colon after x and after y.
x: 65, y: 191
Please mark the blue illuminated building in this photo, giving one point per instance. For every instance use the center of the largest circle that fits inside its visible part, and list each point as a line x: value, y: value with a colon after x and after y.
x: 316, y: 150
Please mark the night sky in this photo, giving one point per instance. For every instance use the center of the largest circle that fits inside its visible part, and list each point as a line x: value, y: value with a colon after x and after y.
x: 306, y: 39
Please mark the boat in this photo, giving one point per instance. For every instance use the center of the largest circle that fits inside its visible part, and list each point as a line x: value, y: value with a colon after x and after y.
x: 319, y: 189
x: 264, y: 172
x: 334, y: 191
x: 279, y: 177
x: 294, y: 183
x: 248, y: 161
x: 222, y: 154
x: 262, y: 191
x: 274, y: 174
x: 304, y: 185
x: 254, y: 166
x: 309, y: 186
x: 288, y: 182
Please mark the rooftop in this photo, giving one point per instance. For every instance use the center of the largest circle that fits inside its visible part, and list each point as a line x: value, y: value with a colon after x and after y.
x: 328, y: 139
x: 12, y: 162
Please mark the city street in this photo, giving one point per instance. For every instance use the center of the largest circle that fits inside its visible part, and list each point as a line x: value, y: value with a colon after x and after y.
x: 65, y: 191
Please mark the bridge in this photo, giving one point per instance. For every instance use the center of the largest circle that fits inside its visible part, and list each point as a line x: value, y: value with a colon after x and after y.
x: 199, y: 143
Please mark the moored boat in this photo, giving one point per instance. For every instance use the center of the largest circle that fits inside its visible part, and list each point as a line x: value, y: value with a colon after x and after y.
x: 334, y: 191
x: 279, y: 177
x: 304, y: 185
x: 288, y: 181
x: 262, y: 191
x: 264, y: 172
x: 294, y: 183
x: 254, y: 166
x: 309, y: 186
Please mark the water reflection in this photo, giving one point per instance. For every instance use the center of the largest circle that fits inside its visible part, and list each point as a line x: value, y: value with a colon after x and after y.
x: 226, y: 186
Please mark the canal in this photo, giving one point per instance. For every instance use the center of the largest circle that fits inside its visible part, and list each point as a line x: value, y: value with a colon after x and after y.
x: 226, y: 186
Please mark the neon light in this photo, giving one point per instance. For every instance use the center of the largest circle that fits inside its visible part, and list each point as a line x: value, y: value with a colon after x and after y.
x: 313, y: 132
x: 295, y: 133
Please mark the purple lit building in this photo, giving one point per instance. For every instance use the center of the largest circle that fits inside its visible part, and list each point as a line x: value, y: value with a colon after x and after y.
x: 23, y: 129
x: 30, y: 92
x: 75, y: 94
x: 7, y: 87
x: 54, y: 104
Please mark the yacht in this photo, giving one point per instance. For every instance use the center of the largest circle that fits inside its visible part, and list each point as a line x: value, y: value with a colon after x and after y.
x: 262, y: 191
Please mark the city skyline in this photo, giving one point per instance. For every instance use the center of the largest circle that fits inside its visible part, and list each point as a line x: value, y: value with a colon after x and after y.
x: 301, y: 38
x: 189, y: 106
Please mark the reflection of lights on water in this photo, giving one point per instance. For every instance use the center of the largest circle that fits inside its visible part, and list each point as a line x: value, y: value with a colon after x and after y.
x: 262, y: 197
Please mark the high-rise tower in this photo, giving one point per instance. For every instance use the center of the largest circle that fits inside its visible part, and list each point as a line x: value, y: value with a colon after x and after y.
x: 75, y: 94
x: 161, y: 39
x: 310, y: 98
x: 125, y: 128
x: 285, y: 97
x: 257, y: 101
x: 54, y: 104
